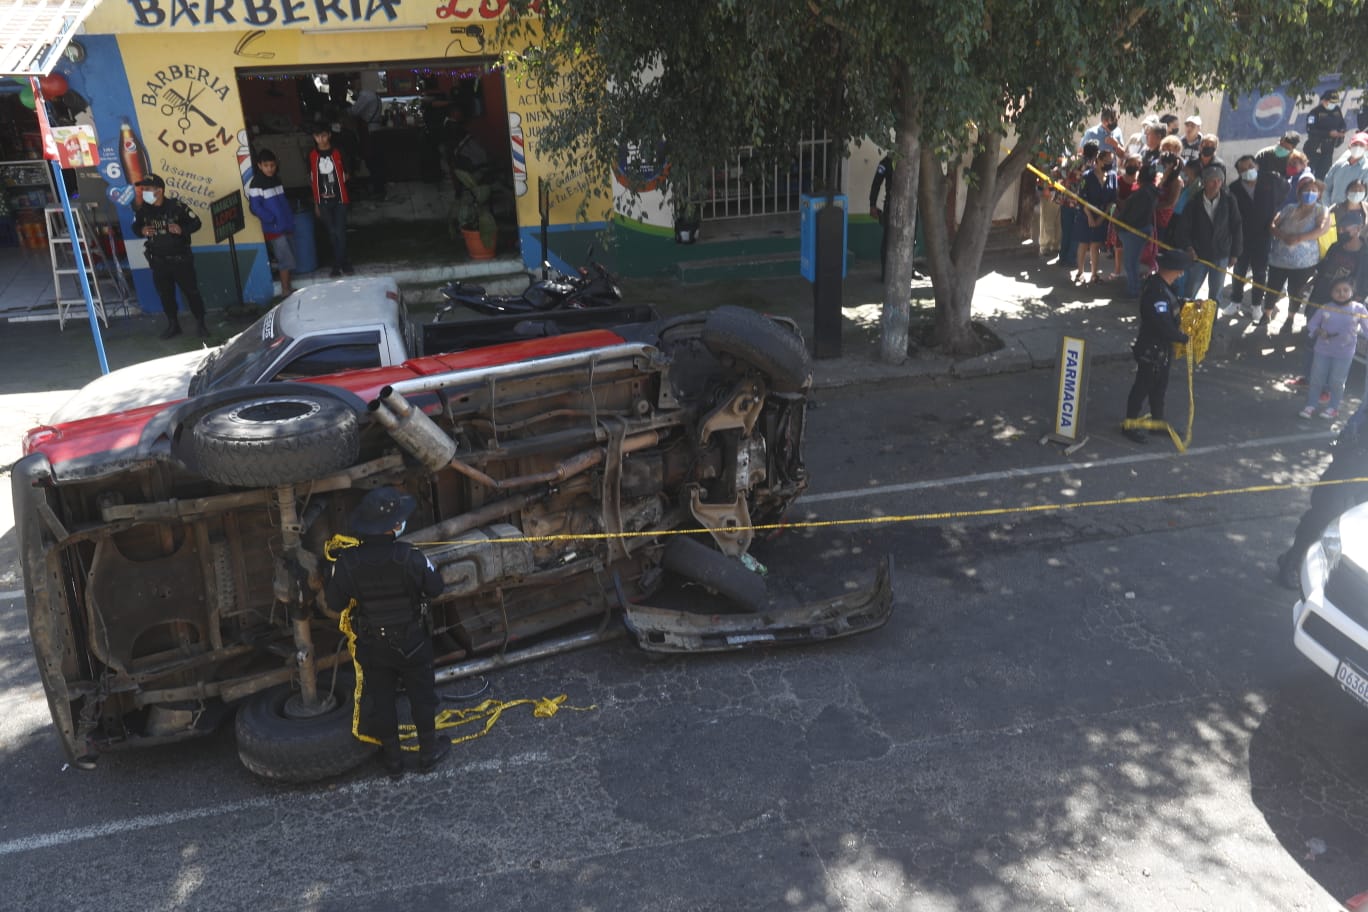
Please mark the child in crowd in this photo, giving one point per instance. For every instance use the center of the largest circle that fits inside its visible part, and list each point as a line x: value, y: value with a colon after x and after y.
x: 328, y: 176
x: 266, y: 198
x: 1335, y: 329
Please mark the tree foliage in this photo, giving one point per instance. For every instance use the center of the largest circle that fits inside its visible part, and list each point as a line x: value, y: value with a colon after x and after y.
x: 949, y: 83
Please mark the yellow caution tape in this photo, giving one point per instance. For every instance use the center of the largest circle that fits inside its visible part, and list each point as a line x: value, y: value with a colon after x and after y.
x: 1122, y: 226
x: 339, y: 543
x: 489, y: 713
x: 918, y: 517
x: 344, y: 624
x: 1196, y: 319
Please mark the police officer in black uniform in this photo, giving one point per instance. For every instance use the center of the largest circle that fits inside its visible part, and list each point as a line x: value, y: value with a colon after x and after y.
x: 884, y: 174
x: 390, y: 582
x: 1325, y: 129
x: 1159, y: 311
x: 167, y: 223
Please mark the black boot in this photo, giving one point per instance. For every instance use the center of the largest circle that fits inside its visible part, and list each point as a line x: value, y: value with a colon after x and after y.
x: 172, y: 328
x: 392, y: 759
x: 1135, y: 434
x: 432, y: 753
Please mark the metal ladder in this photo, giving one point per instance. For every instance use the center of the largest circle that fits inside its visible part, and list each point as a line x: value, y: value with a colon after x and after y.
x: 66, y: 262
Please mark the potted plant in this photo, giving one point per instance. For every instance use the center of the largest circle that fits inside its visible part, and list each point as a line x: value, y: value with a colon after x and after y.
x: 474, y: 214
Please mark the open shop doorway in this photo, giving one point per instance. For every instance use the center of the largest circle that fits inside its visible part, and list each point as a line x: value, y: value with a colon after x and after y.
x: 426, y: 150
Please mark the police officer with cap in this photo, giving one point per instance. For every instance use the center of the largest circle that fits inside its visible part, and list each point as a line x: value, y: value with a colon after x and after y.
x: 1159, y: 311
x: 1325, y: 129
x: 389, y: 582
x: 167, y: 223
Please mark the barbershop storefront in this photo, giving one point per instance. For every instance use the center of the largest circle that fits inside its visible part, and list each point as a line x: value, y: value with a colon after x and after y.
x: 190, y: 89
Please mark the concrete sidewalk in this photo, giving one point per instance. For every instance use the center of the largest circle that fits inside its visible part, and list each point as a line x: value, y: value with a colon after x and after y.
x: 1025, y: 303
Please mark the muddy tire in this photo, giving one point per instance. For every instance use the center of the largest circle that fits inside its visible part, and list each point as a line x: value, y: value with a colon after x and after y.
x: 770, y: 348
x: 693, y: 559
x: 275, y: 440
x: 275, y: 744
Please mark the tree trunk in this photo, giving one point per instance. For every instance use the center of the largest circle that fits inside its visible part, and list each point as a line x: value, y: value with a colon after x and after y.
x: 901, y: 226
x: 955, y: 264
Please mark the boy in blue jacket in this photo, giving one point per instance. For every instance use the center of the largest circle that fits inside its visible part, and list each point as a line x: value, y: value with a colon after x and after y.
x: 266, y: 197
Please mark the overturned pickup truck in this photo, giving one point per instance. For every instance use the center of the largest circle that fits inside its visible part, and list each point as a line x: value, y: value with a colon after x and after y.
x: 174, y: 554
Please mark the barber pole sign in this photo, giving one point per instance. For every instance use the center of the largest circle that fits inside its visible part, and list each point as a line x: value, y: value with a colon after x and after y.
x: 1071, y: 395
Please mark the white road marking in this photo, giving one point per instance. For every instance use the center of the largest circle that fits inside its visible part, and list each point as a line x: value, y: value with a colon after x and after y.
x: 171, y: 818
x: 884, y: 490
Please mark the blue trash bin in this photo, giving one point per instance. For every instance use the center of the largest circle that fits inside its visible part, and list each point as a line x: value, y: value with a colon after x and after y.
x: 306, y: 250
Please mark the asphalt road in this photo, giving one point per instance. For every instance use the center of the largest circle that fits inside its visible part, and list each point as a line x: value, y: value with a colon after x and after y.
x: 1092, y: 707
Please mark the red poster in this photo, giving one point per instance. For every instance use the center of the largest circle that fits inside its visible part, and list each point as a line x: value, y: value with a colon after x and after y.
x: 70, y: 147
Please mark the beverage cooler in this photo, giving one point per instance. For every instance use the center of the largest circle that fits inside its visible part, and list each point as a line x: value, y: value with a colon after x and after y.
x: 27, y: 190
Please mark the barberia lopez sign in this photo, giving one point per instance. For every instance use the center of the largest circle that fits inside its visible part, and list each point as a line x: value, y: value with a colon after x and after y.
x: 262, y: 13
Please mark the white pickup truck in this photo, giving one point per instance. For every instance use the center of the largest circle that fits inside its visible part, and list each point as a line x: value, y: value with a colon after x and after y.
x: 173, y: 520
x: 321, y: 329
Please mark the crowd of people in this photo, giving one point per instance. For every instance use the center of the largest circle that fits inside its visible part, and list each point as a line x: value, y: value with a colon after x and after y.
x: 1284, y: 224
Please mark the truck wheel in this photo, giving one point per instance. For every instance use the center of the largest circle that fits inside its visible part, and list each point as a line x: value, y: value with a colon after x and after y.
x: 275, y: 440
x: 775, y: 351
x: 278, y: 743
x: 688, y: 557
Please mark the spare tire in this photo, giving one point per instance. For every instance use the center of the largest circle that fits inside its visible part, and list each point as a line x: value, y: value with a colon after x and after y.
x: 777, y: 352
x: 698, y: 562
x: 275, y: 440
x: 283, y: 746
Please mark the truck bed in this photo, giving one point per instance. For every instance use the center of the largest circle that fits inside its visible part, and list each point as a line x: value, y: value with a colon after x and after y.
x: 460, y: 335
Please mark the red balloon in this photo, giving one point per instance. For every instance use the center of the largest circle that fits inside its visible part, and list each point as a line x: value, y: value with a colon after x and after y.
x: 53, y: 85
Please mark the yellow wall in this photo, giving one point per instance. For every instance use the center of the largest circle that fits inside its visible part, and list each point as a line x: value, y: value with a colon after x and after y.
x: 172, y: 48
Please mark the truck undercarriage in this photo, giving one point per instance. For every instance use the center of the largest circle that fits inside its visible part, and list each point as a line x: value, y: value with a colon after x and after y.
x: 169, y: 585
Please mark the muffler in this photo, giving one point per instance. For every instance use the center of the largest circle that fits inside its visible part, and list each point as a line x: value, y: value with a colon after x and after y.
x: 418, y: 434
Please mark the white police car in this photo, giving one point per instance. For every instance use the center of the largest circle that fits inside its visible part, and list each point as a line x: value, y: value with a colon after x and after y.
x: 1330, y: 623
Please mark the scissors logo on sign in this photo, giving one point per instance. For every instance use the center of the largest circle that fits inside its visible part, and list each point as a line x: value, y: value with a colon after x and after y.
x: 182, y: 105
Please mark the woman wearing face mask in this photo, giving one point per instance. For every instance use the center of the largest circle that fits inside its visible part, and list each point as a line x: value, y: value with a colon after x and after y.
x: 1099, y: 191
x: 1347, y: 258
x: 1294, y: 251
x: 1297, y: 168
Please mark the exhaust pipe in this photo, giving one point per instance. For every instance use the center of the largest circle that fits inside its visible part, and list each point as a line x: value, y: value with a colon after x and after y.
x: 420, y: 436
x: 411, y: 429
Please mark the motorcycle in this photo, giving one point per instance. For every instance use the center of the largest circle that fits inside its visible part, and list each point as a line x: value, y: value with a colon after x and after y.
x: 590, y: 286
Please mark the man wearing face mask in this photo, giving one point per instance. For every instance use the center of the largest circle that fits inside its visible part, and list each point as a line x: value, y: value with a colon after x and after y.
x: 1352, y: 166
x: 1257, y: 194
x: 1104, y: 133
x: 1324, y: 132
x: 1192, y: 137
x: 1206, y: 152
x: 388, y: 583
x: 1211, y: 231
x: 1273, y: 159
x: 167, y: 224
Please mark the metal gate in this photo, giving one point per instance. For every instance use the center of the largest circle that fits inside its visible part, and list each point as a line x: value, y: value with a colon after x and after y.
x: 743, y: 187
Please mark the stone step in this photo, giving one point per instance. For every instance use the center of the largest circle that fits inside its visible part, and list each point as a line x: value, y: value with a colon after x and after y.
x: 753, y: 266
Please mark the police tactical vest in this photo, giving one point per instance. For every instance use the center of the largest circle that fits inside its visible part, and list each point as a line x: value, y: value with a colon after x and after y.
x: 383, y: 588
